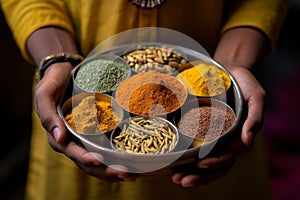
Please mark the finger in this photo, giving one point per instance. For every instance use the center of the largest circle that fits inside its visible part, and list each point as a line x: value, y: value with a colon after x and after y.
x: 255, y: 118
x: 92, y: 163
x: 203, y: 178
x: 47, y: 94
x: 51, y: 121
x: 254, y: 96
x: 225, y: 159
x: 177, y: 177
x: 107, y: 173
x: 82, y: 156
x: 121, y: 172
x: 53, y: 143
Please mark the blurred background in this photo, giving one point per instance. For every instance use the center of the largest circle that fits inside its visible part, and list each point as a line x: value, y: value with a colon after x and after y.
x: 280, y: 76
x: 15, y: 123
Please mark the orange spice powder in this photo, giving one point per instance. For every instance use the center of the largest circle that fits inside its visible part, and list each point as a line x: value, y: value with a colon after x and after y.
x: 151, y: 93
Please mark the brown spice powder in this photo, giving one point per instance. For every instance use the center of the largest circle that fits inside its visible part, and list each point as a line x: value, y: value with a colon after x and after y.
x: 206, y: 122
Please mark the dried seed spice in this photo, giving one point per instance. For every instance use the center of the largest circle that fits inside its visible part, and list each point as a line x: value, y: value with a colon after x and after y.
x: 145, y: 136
x: 101, y: 75
x: 161, y: 59
x: 206, y: 122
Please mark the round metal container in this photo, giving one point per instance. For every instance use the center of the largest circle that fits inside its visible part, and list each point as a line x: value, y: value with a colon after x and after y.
x: 98, y: 138
x: 102, y: 66
x: 184, y: 155
x: 164, y: 85
x: 142, y: 137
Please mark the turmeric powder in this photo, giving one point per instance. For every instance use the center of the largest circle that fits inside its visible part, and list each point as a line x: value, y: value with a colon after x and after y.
x: 205, y: 79
x: 91, y: 116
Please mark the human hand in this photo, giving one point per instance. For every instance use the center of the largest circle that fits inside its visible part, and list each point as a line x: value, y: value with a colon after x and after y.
x: 215, y: 167
x: 47, y: 94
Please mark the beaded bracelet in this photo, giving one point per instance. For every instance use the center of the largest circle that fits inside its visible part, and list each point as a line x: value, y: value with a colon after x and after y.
x: 47, y: 61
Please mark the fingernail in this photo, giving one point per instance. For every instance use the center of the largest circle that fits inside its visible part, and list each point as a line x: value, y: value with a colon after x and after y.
x: 99, y: 159
x: 204, y: 166
x: 188, y: 185
x: 127, y: 177
x: 250, y: 138
x: 56, y: 134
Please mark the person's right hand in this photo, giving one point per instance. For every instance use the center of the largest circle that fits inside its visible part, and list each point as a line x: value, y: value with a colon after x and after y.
x: 47, y: 95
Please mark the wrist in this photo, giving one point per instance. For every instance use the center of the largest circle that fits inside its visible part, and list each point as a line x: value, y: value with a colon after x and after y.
x: 60, y: 72
x: 241, y: 47
x: 46, y: 62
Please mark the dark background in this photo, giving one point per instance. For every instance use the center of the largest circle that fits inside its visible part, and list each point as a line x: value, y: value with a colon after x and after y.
x: 280, y: 76
x: 15, y: 122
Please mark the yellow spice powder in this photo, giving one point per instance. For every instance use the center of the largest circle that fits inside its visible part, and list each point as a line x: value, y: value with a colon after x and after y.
x: 205, y: 80
x: 92, y: 116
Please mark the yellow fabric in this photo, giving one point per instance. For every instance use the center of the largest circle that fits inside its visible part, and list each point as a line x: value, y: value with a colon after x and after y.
x: 95, y: 20
x: 52, y: 175
x: 265, y: 15
x: 30, y: 15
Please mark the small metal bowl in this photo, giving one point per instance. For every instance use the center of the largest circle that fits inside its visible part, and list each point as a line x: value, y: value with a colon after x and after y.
x: 211, y: 74
x: 164, y: 59
x: 90, y: 84
x: 145, y: 135
x: 138, y: 85
x: 210, y: 134
x: 99, y: 138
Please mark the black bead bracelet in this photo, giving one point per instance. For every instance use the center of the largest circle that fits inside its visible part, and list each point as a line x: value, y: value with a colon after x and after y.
x: 46, y: 62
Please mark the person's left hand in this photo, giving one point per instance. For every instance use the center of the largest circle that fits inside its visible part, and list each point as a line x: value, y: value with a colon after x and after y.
x: 214, y: 168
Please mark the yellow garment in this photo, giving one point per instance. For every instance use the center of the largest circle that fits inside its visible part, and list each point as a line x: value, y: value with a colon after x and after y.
x: 52, y: 175
x: 93, y: 21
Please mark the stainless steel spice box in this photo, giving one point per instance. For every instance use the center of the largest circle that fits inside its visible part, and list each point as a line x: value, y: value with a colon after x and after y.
x: 185, y: 153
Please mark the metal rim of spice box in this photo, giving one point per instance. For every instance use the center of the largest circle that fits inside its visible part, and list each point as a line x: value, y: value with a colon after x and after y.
x: 175, y: 158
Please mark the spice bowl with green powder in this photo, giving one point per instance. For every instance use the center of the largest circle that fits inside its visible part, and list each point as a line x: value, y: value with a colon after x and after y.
x: 101, y: 73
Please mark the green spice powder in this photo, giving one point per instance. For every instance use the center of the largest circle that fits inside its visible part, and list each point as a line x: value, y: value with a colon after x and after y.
x: 101, y: 75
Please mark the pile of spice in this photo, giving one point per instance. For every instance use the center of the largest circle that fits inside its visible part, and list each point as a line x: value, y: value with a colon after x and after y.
x: 151, y: 93
x: 205, y: 79
x: 91, y: 116
x: 206, y: 122
x: 145, y: 136
x: 102, y: 75
x: 161, y: 59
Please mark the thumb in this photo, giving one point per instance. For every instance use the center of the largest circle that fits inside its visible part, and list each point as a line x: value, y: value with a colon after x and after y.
x: 50, y: 119
x: 254, y: 121
x: 58, y: 132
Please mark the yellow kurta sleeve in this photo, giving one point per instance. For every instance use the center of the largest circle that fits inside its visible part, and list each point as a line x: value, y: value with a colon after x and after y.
x: 265, y: 15
x: 26, y: 16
